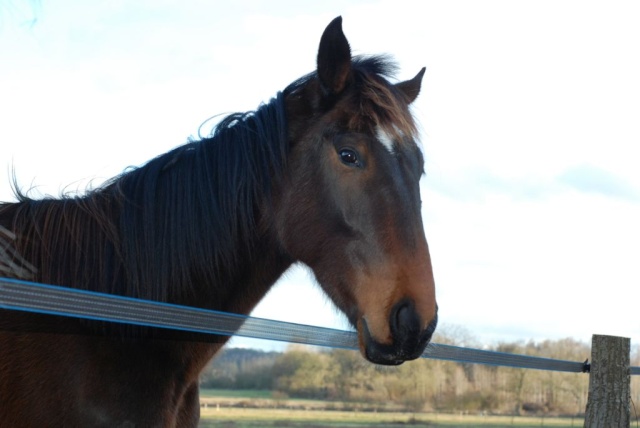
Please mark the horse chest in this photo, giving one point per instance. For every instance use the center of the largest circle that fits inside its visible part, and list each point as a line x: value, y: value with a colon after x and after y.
x: 101, y: 382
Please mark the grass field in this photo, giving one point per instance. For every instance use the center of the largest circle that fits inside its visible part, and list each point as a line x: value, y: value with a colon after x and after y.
x: 235, y: 393
x: 255, y: 418
x: 224, y: 409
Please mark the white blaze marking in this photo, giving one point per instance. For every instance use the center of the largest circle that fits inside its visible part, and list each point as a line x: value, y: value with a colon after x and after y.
x: 385, y: 138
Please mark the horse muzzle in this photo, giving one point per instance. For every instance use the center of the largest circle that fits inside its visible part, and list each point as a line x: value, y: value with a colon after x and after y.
x: 408, y: 338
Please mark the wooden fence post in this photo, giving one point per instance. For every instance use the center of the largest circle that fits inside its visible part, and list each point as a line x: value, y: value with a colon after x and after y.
x: 609, y: 383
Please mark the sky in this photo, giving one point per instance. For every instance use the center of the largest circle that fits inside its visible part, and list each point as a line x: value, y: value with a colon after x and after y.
x: 529, y: 116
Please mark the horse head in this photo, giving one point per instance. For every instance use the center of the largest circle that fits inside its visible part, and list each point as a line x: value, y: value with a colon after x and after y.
x: 349, y: 205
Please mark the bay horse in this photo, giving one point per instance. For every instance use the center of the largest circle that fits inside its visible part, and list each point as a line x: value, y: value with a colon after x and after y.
x: 325, y: 174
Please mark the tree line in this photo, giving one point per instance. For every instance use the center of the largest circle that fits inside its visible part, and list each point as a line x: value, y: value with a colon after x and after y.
x: 420, y: 385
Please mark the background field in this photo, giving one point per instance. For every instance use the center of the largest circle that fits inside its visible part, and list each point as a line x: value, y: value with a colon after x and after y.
x: 253, y: 409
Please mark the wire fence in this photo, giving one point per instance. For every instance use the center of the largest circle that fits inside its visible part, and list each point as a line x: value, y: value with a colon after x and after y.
x: 69, y: 302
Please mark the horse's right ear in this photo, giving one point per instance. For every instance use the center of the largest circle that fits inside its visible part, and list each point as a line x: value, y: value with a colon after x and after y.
x: 334, y: 58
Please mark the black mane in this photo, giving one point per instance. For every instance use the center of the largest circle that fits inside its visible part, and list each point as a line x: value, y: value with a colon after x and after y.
x: 187, y: 208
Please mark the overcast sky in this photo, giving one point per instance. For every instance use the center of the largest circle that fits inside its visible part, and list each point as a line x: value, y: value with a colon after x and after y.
x: 530, y: 118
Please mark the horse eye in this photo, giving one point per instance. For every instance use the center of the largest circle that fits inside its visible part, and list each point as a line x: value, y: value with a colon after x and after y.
x: 349, y: 157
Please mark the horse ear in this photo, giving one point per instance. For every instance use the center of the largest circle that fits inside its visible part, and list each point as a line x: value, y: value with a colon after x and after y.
x: 334, y: 58
x: 411, y: 88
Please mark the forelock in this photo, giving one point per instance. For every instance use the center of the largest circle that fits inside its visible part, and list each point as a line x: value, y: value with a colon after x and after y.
x: 378, y: 100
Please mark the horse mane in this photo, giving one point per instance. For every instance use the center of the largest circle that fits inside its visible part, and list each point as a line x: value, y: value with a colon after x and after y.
x: 136, y: 235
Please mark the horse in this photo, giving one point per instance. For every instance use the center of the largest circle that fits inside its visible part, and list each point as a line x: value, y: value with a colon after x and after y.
x: 325, y: 174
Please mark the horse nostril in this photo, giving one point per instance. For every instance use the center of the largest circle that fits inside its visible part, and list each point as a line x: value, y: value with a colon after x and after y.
x: 408, y: 338
x: 404, y: 318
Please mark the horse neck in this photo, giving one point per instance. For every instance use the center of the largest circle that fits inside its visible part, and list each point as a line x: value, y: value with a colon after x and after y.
x: 253, y: 278
x: 188, y: 227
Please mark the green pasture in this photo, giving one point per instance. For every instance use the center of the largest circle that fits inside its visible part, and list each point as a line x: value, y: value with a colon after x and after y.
x: 254, y: 418
x: 225, y: 409
x: 235, y: 393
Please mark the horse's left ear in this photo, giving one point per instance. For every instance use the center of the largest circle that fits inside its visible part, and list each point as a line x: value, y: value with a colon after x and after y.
x: 411, y: 88
x: 334, y: 58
